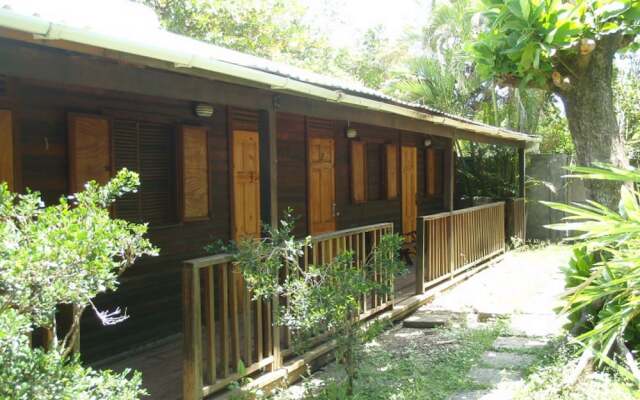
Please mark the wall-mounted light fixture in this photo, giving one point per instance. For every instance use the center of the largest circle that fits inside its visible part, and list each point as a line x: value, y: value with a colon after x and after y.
x: 427, y: 142
x: 352, y: 133
x: 204, y: 110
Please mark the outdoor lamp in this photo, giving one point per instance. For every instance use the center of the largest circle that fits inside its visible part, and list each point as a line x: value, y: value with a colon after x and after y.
x: 204, y: 110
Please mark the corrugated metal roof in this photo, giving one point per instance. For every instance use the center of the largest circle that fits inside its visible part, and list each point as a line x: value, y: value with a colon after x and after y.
x: 121, y: 19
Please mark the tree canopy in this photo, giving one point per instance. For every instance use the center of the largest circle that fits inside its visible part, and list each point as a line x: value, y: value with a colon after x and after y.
x: 545, y: 42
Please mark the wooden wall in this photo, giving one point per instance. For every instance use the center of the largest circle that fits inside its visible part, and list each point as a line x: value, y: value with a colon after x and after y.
x: 292, y: 173
x: 150, y: 290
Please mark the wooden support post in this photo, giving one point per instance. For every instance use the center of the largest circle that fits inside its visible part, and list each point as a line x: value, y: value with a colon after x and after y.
x: 522, y: 165
x: 192, y: 330
x: 273, y: 212
x: 450, y: 197
x: 420, y: 256
x: 521, y: 172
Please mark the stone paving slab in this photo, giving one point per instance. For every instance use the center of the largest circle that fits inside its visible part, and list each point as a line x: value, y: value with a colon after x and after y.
x: 425, y: 322
x: 505, y: 360
x: 511, y: 343
x: 536, y: 325
x: 495, y: 394
x: 492, y: 376
x: 475, y: 395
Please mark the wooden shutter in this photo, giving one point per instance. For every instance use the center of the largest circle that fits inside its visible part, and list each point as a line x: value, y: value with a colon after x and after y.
x: 357, y: 172
x: 6, y: 148
x: 391, y: 175
x: 89, y: 150
x: 434, y: 172
x: 195, y: 173
x: 148, y: 148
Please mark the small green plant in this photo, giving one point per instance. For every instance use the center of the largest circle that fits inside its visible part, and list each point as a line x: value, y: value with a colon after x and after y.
x: 319, y: 298
x: 62, y: 254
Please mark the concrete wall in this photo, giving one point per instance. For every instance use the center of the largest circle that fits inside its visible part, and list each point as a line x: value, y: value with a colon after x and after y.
x: 549, y: 168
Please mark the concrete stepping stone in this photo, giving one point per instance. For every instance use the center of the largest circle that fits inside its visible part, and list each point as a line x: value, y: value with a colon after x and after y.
x: 425, y: 321
x: 536, y: 325
x: 492, y: 376
x: 502, y: 360
x: 496, y: 394
x: 510, y: 343
x: 474, y: 395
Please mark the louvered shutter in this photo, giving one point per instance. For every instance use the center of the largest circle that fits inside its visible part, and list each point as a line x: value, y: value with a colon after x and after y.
x: 6, y: 148
x: 125, y: 155
x: 358, y: 172
x: 149, y: 149
x: 195, y: 173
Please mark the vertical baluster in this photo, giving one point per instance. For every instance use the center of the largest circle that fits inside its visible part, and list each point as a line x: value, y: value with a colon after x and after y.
x: 246, y: 325
x: 210, y: 321
x: 260, y: 320
x: 235, y: 329
x: 224, y: 318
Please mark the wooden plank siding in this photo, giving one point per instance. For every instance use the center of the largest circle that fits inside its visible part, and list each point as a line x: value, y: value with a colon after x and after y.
x: 292, y: 181
x: 151, y: 289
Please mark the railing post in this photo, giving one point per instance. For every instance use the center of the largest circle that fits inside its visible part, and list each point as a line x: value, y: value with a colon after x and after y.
x: 450, y: 205
x: 192, y: 331
x: 275, y: 336
x: 420, y: 256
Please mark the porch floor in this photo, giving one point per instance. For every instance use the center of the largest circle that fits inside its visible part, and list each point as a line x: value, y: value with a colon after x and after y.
x: 161, y: 363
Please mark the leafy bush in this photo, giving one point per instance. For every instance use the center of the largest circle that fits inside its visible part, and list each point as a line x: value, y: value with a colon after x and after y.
x: 61, y: 254
x: 320, y: 298
x: 603, y: 280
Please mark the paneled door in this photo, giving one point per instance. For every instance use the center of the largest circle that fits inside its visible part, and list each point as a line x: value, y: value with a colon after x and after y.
x: 322, y: 189
x: 246, y: 184
x: 409, y: 161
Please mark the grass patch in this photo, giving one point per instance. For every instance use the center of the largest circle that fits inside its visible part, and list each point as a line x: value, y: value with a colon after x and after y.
x: 544, y: 379
x: 413, y: 364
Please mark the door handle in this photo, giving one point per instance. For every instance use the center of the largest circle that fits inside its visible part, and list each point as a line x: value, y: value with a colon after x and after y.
x: 333, y: 209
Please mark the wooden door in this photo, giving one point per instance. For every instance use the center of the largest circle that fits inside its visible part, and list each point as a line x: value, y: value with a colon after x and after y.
x: 409, y: 160
x: 89, y: 150
x: 246, y: 184
x: 322, y: 189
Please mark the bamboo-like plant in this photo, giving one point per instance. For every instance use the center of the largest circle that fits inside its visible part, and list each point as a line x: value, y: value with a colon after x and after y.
x: 603, y: 280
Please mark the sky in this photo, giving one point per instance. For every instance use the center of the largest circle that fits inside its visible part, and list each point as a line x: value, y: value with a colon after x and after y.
x: 356, y: 16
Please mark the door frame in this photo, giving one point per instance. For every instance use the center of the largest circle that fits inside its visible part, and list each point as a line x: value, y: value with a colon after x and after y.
x: 307, y: 141
x: 233, y: 208
x: 402, y: 185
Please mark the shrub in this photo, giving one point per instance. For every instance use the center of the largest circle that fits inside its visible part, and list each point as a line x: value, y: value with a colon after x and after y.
x: 320, y: 298
x: 603, y: 279
x: 61, y: 254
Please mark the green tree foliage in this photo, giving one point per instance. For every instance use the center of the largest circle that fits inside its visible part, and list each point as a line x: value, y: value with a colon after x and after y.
x: 567, y: 48
x: 275, y: 29
x: 375, y: 61
x: 603, y: 277
x: 554, y: 131
x: 320, y: 298
x: 61, y: 254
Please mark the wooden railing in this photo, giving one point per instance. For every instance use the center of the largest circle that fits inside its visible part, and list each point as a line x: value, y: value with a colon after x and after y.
x: 228, y: 336
x: 451, y: 242
x: 237, y: 331
x: 516, y: 220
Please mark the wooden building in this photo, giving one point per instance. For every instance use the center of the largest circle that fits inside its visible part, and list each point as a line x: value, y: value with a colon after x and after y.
x: 77, y: 103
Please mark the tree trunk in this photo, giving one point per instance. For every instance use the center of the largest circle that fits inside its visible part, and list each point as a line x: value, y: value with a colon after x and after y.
x: 592, y: 118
